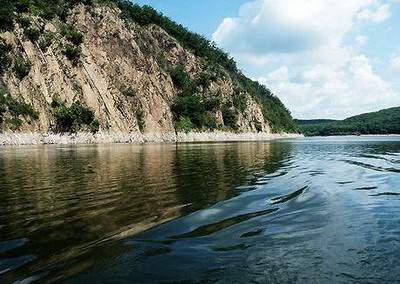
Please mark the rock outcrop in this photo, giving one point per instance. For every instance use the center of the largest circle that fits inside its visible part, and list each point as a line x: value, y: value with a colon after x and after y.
x: 122, y: 69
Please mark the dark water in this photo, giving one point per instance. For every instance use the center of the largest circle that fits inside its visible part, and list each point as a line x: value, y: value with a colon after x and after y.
x: 308, y: 210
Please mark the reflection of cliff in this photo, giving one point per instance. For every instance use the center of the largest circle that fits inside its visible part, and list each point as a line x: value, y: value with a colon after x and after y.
x: 65, y: 201
x: 206, y: 174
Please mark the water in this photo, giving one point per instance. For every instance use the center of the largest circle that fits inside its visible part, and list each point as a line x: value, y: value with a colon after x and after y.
x: 306, y: 210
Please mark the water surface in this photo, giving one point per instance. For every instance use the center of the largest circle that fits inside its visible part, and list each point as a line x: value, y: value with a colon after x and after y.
x: 304, y: 210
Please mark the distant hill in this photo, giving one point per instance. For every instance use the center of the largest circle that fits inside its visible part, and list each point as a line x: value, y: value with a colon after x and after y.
x: 313, y: 121
x: 385, y: 121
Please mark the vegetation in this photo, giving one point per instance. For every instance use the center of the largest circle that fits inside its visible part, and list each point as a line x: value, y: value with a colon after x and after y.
x: 72, y: 34
x: 217, y: 61
x: 386, y: 121
x: 5, y: 59
x: 230, y: 116
x: 32, y: 33
x: 140, y: 119
x: 73, y: 53
x: 73, y: 118
x: 22, y: 67
x: 129, y: 92
x: 16, y: 109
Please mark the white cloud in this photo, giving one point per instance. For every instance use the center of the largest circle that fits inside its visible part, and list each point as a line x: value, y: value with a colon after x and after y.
x: 380, y: 14
x: 396, y: 63
x: 361, y: 40
x: 297, y: 48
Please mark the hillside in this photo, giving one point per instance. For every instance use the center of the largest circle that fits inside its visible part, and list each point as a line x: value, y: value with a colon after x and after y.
x: 386, y: 121
x: 112, y: 66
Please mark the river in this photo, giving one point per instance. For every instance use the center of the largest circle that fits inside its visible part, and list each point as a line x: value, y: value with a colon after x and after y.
x: 291, y: 211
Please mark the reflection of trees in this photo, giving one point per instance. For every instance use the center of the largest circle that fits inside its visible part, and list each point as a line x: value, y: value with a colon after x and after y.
x: 64, y: 200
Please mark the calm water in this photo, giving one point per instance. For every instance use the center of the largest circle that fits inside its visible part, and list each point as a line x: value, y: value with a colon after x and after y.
x: 306, y: 210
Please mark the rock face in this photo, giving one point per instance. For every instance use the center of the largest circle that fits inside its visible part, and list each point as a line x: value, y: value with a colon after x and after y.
x: 115, y: 56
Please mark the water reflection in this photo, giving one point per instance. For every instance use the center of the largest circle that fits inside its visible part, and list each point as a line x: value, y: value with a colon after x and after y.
x: 61, y: 206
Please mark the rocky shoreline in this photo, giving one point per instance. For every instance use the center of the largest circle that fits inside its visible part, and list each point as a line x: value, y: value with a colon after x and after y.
x: 18, y: 139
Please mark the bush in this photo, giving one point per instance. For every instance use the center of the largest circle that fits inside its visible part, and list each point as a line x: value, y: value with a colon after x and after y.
x: 5, y: 60
x: 129, y: 92
x: 73, y: 118
x: 16, y: 109
x: 230, y: 117
x: 73, y: 53
x: 72, y: 34
x: 22, y: 67
x: 24, y: 21
x: 184, y: 124
x: 140, y: 119
x: 6, y: 16
x: 179, y: 77
x: 32, y: 33
x: 46, y: 40
x: 239, y: 101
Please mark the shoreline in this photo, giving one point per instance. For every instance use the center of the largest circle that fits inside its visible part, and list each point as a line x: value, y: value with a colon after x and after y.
x: 20, y: 139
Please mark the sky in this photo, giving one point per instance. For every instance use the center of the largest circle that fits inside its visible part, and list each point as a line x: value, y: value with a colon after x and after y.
x: 322, y: 58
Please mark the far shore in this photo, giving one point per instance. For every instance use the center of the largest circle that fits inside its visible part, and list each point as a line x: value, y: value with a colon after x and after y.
x: 19, y: 139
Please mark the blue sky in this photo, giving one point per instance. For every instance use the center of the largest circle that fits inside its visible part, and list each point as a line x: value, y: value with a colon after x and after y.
x: 323, y: 58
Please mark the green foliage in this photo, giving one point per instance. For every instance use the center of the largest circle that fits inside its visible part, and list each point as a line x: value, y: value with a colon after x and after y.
x: 15, y: 109
x: 184, y: 124
x: 140, y: 119
x: 24, y: 21
x: 5, y: 59
x: 72, y: 34
x: 73, y: 53
x: 73, y: 118
x: 129, y: 92
x: 46, y: 40
x: 22, y: 67
x: 179, y: 77
x: 32, y: 33
x: 191, y: 106
x: 213, y: 103
x: 382, y: 122
x: 230, y: 116
x: 239, y: 101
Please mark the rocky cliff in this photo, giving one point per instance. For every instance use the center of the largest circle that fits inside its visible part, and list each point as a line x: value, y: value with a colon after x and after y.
x: 94, y: 70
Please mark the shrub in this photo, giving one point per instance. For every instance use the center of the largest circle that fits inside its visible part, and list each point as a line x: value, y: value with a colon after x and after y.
x: 129, y: 92
x: 6, y: 16
x: 46, y: 40
x: 239, y: 101
x: 184, y: 124
x: 179, y: 77
x: 24, y: 21
x: 230, y: 117
x: 73, y: 53
x: 32, y: 33
x: 213, y: 103
x: 16, y: 109
x: 73, y: 118
x: 5, y: 60
x: 140, y: 119
x: 72, y: 34
x: 258, y: 126
x: 22, y: 67
x: 14, y: 123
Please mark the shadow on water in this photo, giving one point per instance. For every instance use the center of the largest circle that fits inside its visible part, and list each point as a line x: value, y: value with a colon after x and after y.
x: 63, y: 209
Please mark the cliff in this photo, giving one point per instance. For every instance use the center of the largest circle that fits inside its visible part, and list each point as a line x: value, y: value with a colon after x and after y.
x: 96, y: 68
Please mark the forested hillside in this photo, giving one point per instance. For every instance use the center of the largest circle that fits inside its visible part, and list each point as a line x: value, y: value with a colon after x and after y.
x: 386, y: 121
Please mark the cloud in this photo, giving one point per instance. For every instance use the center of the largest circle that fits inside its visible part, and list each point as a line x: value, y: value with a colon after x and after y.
x: 361, y: 40
x: 396, y: 63
x: 380, y: 14
x: 300, y: 50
